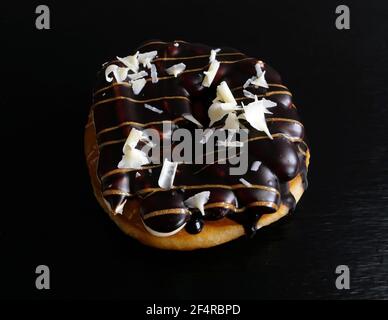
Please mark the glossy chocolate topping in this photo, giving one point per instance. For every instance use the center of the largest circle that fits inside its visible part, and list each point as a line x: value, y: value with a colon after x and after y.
x: 116, y: 110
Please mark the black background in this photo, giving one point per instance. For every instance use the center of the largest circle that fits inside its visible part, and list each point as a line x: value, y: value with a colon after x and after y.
x: 49, y: 214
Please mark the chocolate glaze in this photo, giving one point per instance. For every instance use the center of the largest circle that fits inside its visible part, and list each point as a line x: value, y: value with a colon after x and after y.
x: 116, y: 110
x: 195, y: 224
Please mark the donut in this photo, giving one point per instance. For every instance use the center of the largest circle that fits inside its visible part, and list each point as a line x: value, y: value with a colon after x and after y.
x: 190, y: 146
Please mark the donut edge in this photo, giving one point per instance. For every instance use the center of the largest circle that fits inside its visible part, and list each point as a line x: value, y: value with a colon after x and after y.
x: 214, y: 232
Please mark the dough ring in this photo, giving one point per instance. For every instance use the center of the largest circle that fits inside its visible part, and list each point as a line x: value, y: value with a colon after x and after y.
x: 188, y: 86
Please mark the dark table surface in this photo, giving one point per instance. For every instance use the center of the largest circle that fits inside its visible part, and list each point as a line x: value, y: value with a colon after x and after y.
x: 49, y: 214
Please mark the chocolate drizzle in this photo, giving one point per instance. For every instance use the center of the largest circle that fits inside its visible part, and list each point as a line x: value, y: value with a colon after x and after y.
x: 116, y: 110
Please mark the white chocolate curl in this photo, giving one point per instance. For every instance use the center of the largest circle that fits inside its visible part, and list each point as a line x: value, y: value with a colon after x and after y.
x: 213, y: 68
x: 258, y: 80
x: 167, y: 174
x: 133, y: 158
x: 119, y: 73
x: 210, y: 73
x: 198, y: 201
x: 219, y: 109
x: 131, y: 62
x: 254, y: 114
x: 176, y: 69
x: 138, y: 85
x: 146, y: 58
x: 224, y: 94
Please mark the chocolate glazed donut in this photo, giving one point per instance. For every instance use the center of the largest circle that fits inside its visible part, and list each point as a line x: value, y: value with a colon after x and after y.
x: 236, y: 203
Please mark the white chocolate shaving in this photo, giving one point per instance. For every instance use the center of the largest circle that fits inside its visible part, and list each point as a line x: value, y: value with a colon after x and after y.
x: 245, y: 182
x: 133, y: 158
x: 259, y: 72
x: 247, y: 83
x: 210, y: 73
x: 109, y: 70
x: 131, y: 62
x: 133, y: 138
x: 137, y: 175
x: 190, y: 117
x: 228, y: 107
x: 213, y: 54
x: 176, y: 69
x: 249, y: 94
x: 146, y: 58
x: 122, y: 74
x: 167, y: 174
x: 260, y: 81
x: 224, y: 94
x: 254, y: 114
x: 154, y: 109
x: 268, y: 104
x: 255, y: 165
x: 218, y: 110
x: 198, y: 201
x: 176, y: 44
x: 138, y: 85
x: 232, y: 122
x: 139, y: 75
x: 119, y: 73
x: 154, y: 74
